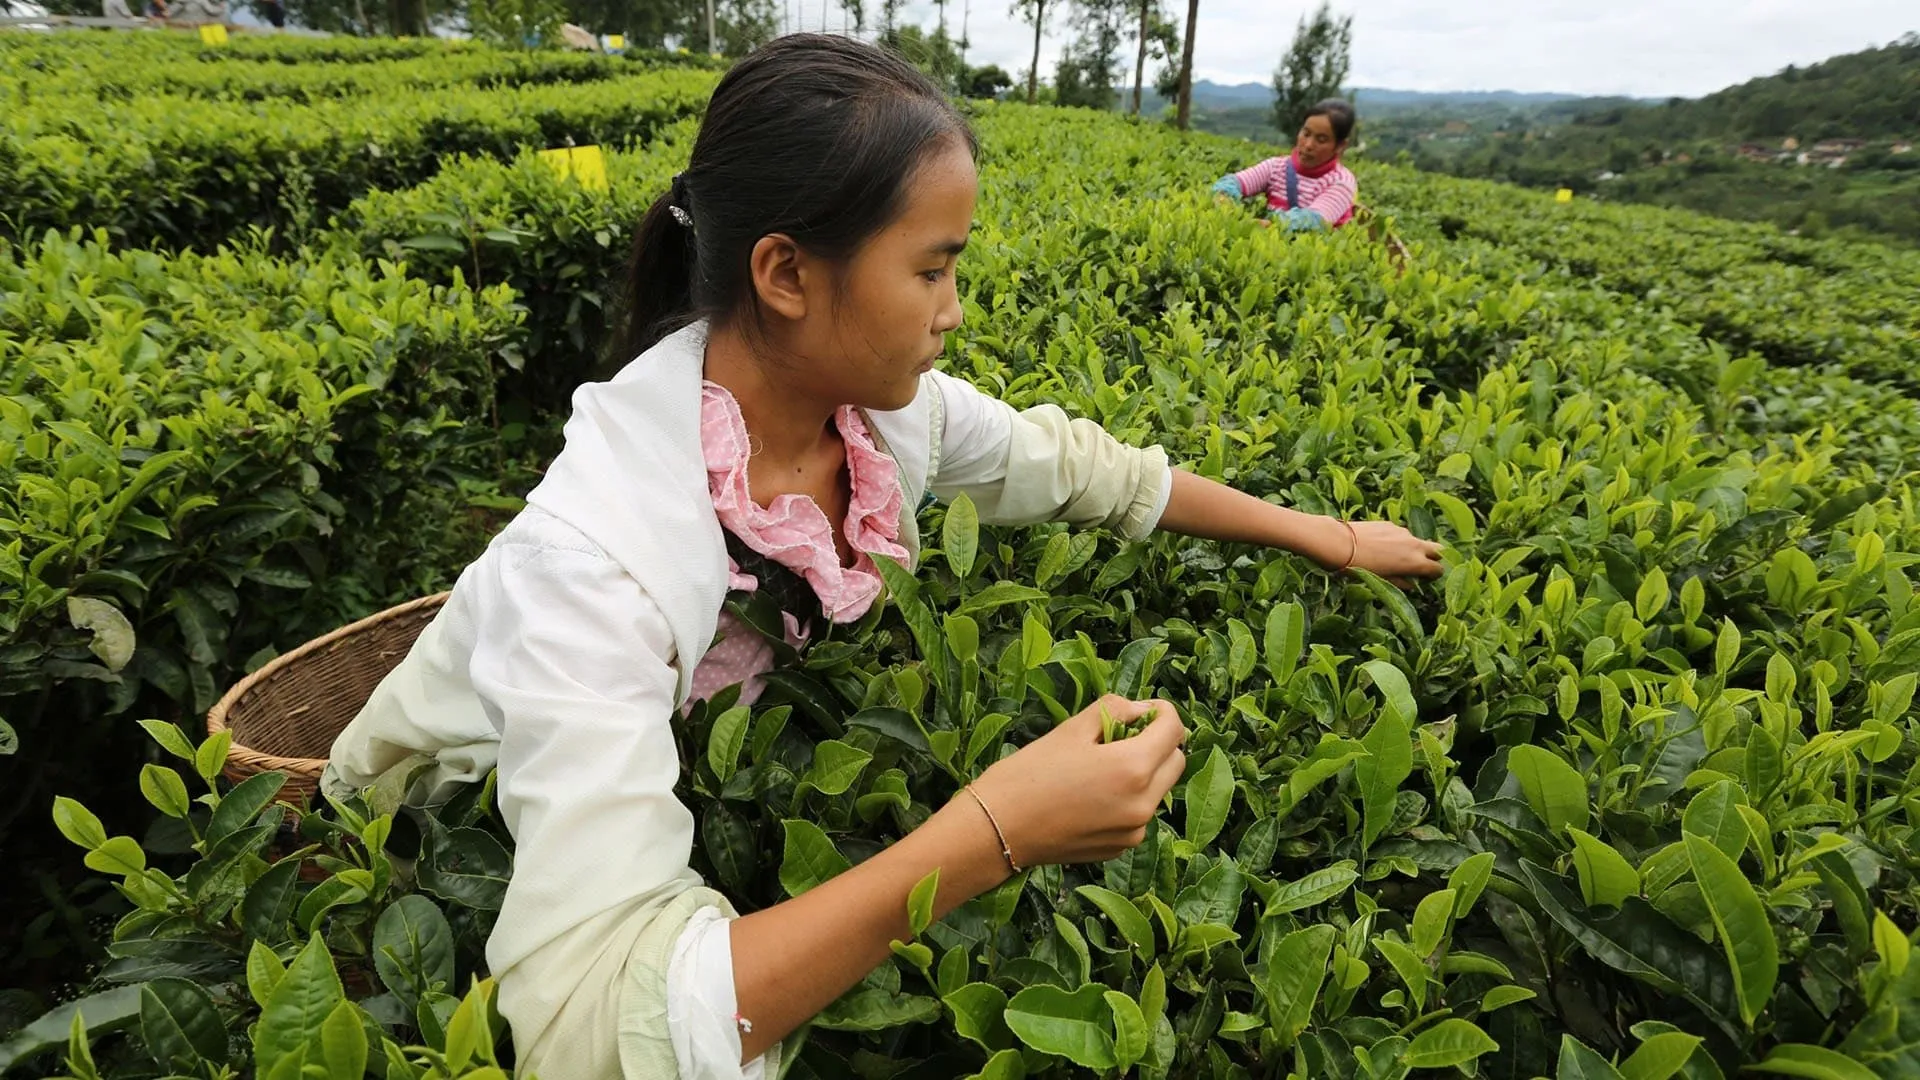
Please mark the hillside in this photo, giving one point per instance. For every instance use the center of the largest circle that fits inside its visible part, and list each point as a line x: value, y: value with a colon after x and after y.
x: 1817, y: 149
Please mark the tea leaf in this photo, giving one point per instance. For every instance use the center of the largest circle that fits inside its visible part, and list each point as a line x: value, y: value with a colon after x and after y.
x: 836, y: 765
x: 1390, y: 760
x: 1606, y: 877
x: 979, y: 1014
x: 1502, y: 996
x: 810, y: 857
x: 264, y: 972
x: 1209, y: 797
x: 1812, y: 1063
x: 181, y: 1026
x: 1552, y: 787
x: 1742, y: 924
x: 1129, y: 1030
x: 1285, y: 638
x: 1126, y: 918
x: 413, y: 949
x: 238, y: 808
x: 77, y: 823
x: 1069, y: 1025
x: 1580, y: 1062
x: 1450, y: 1043
x: 1713, y: 815
x: 292, y: 1020
x: 343, y: 1042
x: 920, y: 903
x: 165, y: 790
x: 1295, y: 971
x: 1315, y: 888
x: 728, y: 738
x: 1468, y: 880
x: 960, y: 535
x: 1660, y: 1057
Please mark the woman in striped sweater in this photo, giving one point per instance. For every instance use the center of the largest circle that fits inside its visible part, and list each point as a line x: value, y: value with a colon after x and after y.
x: 1309, y: 189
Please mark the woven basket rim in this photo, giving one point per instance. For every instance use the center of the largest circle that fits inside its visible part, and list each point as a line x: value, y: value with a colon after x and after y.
x: 239, y: 754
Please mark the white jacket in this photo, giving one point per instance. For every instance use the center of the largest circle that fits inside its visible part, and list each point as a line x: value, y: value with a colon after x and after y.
x: 565, y: 649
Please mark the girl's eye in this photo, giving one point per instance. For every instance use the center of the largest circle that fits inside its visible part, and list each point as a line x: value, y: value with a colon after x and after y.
x: 933, y: 276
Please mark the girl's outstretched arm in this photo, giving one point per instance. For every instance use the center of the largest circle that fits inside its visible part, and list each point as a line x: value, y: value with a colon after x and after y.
x: 1200, y: 507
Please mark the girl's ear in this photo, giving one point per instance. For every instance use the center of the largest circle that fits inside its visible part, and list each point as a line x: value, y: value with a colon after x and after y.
x: 782, y: 275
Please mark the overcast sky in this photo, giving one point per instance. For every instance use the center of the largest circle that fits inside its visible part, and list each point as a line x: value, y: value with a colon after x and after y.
x: 1645, y: 48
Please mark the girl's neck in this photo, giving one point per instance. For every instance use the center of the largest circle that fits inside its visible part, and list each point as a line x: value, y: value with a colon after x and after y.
x: 787, y: 424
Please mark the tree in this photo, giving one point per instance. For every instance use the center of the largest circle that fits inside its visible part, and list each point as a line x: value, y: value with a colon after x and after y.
x: 933, y: 53
x: 1088, y: 70
x: 1185, y: 114
x: 1156, y: 36
x: 987, y: 82
x: 1034, y: 13
x: 1314, y: 69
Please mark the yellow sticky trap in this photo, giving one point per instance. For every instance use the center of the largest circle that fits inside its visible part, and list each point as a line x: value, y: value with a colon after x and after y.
x: 1563, y: 195
x: 213, y: 34
x: 590, y: 168
x: 561, y: 160
x: 616, y: 41
x: 583, y: 163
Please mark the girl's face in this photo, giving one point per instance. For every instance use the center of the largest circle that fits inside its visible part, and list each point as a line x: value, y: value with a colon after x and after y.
x: 895, y: 300
x: 1315, y: 143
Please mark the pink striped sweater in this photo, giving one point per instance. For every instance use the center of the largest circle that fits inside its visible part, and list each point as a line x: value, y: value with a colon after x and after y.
x: 1331, y: 195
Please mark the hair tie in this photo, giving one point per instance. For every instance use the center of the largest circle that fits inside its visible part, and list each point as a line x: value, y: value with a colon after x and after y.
x: 677, y: 201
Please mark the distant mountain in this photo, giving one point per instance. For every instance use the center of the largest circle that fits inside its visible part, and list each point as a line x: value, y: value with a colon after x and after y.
x: 1213, y: 95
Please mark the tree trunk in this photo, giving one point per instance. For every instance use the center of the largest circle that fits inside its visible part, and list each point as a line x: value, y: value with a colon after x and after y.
x: 1140, y: 64
x: 1033, y: 73
x: 1186, y: 65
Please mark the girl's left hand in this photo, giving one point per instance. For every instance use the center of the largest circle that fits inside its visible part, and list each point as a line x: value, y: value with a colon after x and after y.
x: 1392, y: 552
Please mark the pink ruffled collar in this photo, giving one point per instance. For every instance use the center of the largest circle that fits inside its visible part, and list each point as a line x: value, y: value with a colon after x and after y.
x: 793, y: 531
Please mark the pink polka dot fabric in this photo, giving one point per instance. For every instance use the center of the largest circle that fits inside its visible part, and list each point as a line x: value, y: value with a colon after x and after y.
x: 793, y: 531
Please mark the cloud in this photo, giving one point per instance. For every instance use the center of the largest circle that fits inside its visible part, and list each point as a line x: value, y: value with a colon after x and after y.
x: 1638, y: 47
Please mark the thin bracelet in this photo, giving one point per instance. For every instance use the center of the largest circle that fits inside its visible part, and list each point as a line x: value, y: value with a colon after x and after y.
x: 1353, y: 551
x: 1004, y: 849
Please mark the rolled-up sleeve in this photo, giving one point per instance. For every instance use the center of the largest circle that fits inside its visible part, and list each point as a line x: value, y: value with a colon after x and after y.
x: 1039, y: 465
x: 573, y: 662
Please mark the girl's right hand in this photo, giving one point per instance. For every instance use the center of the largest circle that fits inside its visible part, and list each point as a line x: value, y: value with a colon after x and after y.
x: 1067, y: 797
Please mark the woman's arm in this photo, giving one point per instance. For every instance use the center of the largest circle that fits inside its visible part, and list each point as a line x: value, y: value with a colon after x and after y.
x: 1200, y: 507
x: 1333, y: 203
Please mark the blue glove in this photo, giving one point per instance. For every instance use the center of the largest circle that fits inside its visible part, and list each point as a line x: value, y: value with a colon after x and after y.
x: 1299, y: 219
x: 1228, y: 186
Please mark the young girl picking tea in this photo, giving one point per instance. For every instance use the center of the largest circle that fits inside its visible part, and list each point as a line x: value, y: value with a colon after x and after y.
x: 777, y: 428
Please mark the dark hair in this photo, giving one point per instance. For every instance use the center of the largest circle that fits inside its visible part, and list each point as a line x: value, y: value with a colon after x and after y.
x: 813, y: 136
x: 1339, y: 116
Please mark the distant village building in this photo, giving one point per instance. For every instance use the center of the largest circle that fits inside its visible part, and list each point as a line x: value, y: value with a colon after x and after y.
x: 1789, y: 143
x: 1902, y: 147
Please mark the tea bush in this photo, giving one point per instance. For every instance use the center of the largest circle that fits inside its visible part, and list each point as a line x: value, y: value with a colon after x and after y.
x: 184, y: 172
x: 203, y: 456
x: 1630, y: 793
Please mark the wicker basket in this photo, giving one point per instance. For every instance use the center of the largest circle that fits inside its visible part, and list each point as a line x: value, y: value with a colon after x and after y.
x: 286, y: 715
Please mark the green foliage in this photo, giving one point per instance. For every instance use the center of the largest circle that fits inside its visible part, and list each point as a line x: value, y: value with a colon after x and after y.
x: 186, y: 172
x: 202, y: 457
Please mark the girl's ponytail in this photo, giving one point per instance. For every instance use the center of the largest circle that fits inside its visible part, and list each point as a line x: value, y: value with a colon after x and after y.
x: 659, y: 297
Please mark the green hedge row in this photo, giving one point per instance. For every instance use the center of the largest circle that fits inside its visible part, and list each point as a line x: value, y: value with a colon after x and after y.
x: 186, y: 174
x: 205, y: 456
x: 1792, y: 300
x: 130, y: 66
